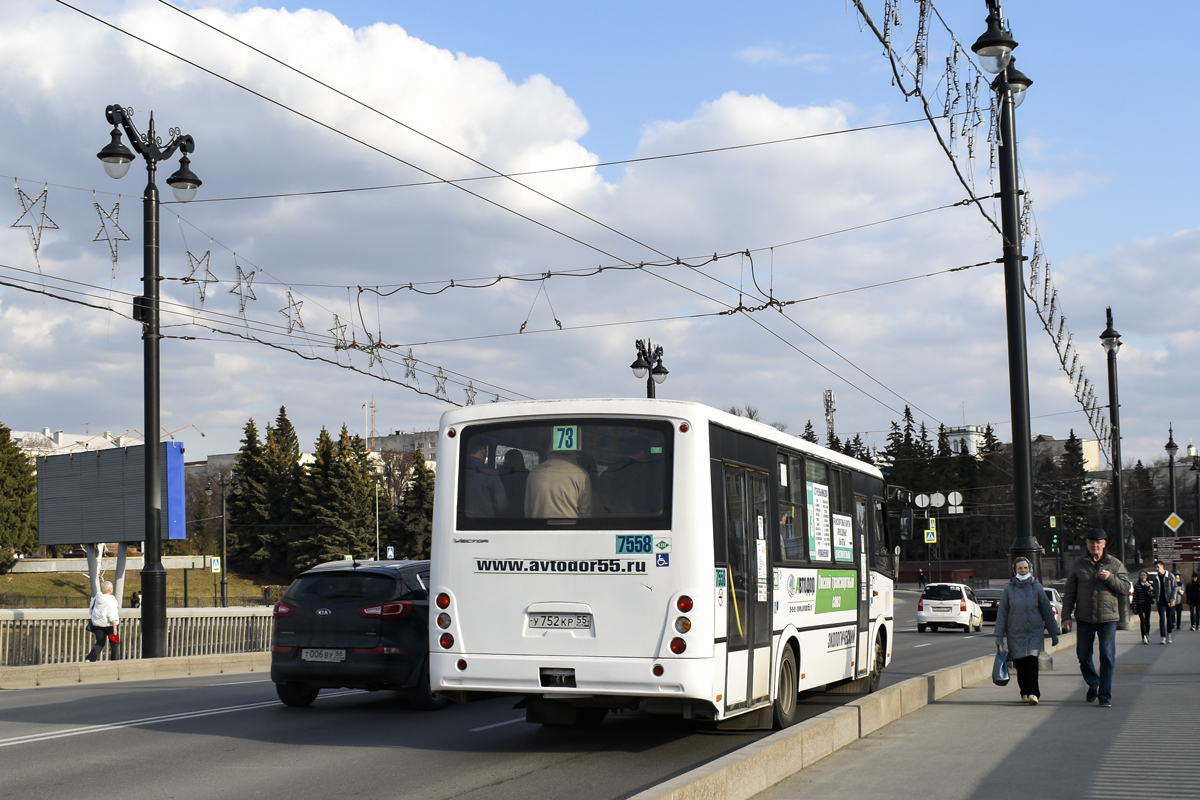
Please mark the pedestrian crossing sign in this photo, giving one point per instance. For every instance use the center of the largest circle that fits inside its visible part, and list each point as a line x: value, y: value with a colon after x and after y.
x: 930, y: 537
x: 216, y: 563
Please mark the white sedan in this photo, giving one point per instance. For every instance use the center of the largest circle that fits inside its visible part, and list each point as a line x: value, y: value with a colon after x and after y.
x: 948, y: 605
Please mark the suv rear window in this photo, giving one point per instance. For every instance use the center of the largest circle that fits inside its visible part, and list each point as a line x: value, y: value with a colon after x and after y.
x: 942, y: 593
x: 332, y: 585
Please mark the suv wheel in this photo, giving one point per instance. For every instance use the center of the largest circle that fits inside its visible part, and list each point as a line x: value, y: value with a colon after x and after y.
x: 920, y: 628
x: 297, y: 695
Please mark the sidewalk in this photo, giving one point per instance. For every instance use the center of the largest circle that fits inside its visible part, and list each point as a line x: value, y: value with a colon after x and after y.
x: 983, y: 743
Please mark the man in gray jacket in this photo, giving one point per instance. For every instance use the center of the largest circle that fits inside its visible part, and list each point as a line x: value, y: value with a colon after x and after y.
x: 1096, y: 586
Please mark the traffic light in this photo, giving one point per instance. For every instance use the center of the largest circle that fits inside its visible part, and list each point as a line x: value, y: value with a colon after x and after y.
x: 1054, y: 543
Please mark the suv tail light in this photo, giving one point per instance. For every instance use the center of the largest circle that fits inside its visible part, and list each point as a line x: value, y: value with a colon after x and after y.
x: 963, y: 606
x: 920, y: 604
x: 387, y: 610
x: 282, y: 609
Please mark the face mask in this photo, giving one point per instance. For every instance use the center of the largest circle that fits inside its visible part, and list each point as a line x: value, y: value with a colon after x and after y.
x: 1025, y: 577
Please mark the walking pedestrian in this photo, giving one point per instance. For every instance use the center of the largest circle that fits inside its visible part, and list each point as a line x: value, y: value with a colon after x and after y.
x: 1095, y: 587
x: 1024, y: 614
x: 105, y: 618
x: 921, y: 579
x: 1164, y: 600
x: 1180, y: 594
x: 1143, y: 602
x: 1193, y: 599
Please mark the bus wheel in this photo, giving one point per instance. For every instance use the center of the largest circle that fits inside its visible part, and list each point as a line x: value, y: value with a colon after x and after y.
x: 786, y: 708
x: 877, y: 667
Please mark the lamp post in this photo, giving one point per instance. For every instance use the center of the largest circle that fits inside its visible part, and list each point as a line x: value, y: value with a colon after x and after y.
x: 649, y: 353
x: 116, y: 158
x: 1195, y: 470
x: 994, y: 49
x: 223, y: 482
x: 1110, y: 340
x: 1172, y: 449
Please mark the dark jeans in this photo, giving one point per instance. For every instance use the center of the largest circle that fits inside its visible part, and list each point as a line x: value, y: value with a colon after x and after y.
x: 1143, y: 613
x: 1195, y: 614
x: 1166, y: 619
x: 1027, y: 675
x: 1085, y: 638
x: 1178, y: 616
x: 114, y: 649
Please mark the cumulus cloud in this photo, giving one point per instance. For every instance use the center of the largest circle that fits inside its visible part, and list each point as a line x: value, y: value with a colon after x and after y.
x: 770, y: 54
x: 936, y: 342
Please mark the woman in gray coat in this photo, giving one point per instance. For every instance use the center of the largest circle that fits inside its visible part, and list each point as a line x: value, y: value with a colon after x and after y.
x: 1023, y: 614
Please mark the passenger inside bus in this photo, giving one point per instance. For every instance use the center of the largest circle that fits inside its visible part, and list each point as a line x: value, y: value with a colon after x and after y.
x: 633, y: 484
x: 514, y: 475
x: 485, y: 496
x: 558, y: 488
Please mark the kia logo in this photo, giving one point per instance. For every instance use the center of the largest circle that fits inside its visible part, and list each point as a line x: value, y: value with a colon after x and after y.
x: 323, y: 612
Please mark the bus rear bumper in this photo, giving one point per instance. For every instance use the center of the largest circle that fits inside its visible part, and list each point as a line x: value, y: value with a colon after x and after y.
x: 572, y: 677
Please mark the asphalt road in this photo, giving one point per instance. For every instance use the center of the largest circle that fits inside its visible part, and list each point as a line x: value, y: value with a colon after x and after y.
x: 228, y: 736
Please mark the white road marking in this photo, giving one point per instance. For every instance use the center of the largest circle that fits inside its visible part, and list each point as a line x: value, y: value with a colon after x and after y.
x: 238, y: 683
x: 922, y: 645
x: 496, y: 725
x: 133, y: 723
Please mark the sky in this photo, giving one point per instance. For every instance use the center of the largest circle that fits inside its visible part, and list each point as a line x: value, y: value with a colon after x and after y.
x: 427, y: 92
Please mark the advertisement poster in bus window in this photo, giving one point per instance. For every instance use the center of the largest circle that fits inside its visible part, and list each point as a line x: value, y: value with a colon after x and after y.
x: 843, y: 538
x: 762, y: 570
x: 819, y: 540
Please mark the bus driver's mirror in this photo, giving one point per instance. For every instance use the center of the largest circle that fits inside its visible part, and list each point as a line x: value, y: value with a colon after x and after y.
x: 897, y: 551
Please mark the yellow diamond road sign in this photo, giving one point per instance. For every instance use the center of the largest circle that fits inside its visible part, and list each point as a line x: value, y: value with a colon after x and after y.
x: 1174, y: 522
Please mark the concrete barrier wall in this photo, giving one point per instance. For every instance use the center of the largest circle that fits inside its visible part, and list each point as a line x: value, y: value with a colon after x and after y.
x: 134, y: 670
x: 746, y: 772
x: 31, y: 637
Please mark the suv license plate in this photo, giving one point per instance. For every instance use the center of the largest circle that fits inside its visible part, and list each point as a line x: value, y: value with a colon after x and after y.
x: 311, y: 654
x: 573, y: 621
x: 941, y: 609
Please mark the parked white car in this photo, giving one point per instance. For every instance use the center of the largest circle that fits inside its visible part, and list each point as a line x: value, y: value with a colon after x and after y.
x: 1056, y: 603
x: 948, y: 605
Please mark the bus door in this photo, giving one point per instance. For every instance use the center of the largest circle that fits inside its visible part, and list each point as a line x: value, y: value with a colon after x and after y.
x: 862, y: 658
x: 748, y: 629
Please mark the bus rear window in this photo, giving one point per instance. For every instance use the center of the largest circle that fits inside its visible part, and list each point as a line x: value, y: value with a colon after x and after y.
x: 586, y: 474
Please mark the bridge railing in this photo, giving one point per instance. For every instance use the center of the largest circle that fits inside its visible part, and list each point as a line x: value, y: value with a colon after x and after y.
x: 58, y: 636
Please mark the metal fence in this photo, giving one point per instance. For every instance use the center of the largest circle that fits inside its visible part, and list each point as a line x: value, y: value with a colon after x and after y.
x: 58, y: 636
x: 15, y: 600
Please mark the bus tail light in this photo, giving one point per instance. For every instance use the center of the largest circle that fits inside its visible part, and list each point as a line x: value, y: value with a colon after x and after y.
x: 678, y: 645
x: 443, y: 621
x: 684, y: 603
x: 657, y: 670
x: 450, y: 432
x: 443, y: 600
x: 282, y: 609
x: 683, y: 624
x: 462, y: 665
x: 446, y: 641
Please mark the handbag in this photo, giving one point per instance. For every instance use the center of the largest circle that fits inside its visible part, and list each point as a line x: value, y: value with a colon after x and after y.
x: 1000, y: 668
x: 112, y: 637
x: 89, y: 627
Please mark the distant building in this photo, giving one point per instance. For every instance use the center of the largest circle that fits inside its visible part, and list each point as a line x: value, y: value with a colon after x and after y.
x: 970, y: 435
x: 47, y: 443
x: 1047, y: 448
x: 401, y: 442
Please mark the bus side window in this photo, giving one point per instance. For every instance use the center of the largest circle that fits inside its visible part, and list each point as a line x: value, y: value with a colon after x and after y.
x: 881, y: 552
x: 791, y: 507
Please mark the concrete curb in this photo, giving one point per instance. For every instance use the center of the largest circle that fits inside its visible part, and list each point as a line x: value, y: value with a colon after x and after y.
x: 756, y: 767
x: 132, y: 670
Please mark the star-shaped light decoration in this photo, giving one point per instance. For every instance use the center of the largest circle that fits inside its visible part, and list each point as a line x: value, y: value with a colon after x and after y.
x: 470, y: 391
x: 496, y: 399
x: 244, y: 287
x: 205, y: 278
x: 110, y: 229
x: 35, y: 211
x: 410, y: 367
x: 339, y: 333
x: 440, y: 379
x: 372, y: 349
x: 292, y: 312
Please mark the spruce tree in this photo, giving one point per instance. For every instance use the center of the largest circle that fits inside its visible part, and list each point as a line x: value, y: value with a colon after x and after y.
x: 322, y: 533
x: 247, y: 509
x: 809, y: 434
x: 416, y: 510
x: 18, y: 499
x: 281, y: 456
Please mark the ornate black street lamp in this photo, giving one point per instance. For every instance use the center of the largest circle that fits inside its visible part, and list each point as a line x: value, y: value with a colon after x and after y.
x: 224, y: 482
x: 649, y: 353
x: 1195, y: 470
x: 1172, y: 449
x: 1110, y: 340
x: 994, y: 50
x: 116, y: 158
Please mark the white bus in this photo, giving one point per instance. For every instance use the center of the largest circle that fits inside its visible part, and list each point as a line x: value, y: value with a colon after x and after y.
x: 605, y: 554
